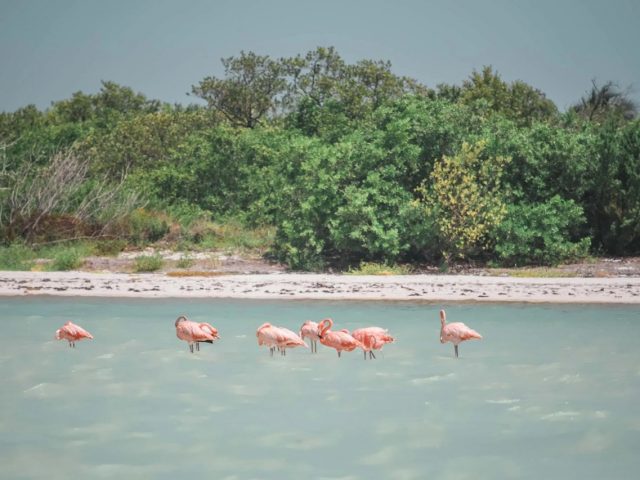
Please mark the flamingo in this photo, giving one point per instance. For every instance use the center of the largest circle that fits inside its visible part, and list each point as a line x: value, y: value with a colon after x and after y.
x: 340, y: 340
x: 372, y: 338
x: 309, y: 329
x: 279, y: 337
x: 194, y: 333
x: 455, y: 332
x: 288, y: 339
x: 268, y: 335
x: 73, y: 333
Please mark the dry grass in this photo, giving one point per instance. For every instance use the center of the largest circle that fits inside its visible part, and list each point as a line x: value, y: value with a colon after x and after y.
x: 195, y: 273
x: 535, y: 272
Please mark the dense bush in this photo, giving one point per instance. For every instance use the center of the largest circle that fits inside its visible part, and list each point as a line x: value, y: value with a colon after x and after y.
x: 67, y: 259
x: 148, y: 263
x: 330, y: 164
x: 16, y: 256
x: 541, y: 234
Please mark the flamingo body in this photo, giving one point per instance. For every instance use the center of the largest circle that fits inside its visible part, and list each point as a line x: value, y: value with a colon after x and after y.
x: 72, y: 333
x: 309, y: 329
x: 372, y: 338
x: 341, y: 340
x: 267, y: 335
x: 279, y: 337
x: 456, y: 332
x: 289, y: 339
x: 193, y: 332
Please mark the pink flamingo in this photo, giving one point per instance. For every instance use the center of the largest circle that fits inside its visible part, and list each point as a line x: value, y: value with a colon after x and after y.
x: 340, y: 340
x: 455, y: 332
x: 73, y: 333
x: 309, y: 329
x: 194, y: 333
x: 279, y: 337
x: 372, y: 338
x: 288, y: 339
x: 268, y: 335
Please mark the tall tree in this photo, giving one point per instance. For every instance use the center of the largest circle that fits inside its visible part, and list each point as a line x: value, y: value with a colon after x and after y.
x: 517, y: 101
x: 252, y: 89
x: 606, y: 100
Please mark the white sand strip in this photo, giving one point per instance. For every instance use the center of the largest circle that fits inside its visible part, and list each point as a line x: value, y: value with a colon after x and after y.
x: 623, y: 290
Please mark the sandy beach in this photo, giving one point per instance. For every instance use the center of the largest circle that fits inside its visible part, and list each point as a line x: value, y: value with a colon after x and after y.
x: 430, y: 288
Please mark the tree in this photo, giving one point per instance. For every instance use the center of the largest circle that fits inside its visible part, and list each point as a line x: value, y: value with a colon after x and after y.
x: 604, y: 101
x: 253, y: 88
x: 315, y: 76
x: 516, y: 101
x: 612, y: 198
x: 544, y: 233
x: 466, y: 200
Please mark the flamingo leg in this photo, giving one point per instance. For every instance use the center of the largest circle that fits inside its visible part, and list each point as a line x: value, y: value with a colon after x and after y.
x: 197, y: 346
x: 339, y: 352
x: 365, y: 354
x: 371, y: 355
x: 191, y: 347
x: 456, y: 348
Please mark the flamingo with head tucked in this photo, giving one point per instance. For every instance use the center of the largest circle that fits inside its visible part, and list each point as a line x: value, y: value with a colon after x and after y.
x: 193, y: 333
x: 372, y: 338
x: 288, y: 339
x: 268, y: 335
x: 340, y: 340
x: 73, y: 333
x: 456, y: 332
x: 309, y: 329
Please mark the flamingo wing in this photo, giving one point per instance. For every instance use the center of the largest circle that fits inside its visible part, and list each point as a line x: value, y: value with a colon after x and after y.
x: 372, y: 337
x: 74, y: 332
x: 209, y: 329
x: 191, y: 332
x: 290, y: 339
x: 461, y: 332
x: 346, y: 341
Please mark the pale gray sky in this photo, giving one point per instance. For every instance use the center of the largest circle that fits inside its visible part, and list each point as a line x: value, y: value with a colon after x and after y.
x: 50, y: 49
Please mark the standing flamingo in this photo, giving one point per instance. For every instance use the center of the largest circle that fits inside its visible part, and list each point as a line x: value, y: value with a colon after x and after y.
x: 194, y: 333
x: 288, y: 339
x: 268, y: 335
x: 372, y: 338
x: 309, y: 329
x: 455, y: 332
x: 279, y: 337
x: 73, y: 333
x: 341, y: 340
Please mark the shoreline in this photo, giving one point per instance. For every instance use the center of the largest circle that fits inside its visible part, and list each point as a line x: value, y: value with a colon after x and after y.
x: 310, y: 286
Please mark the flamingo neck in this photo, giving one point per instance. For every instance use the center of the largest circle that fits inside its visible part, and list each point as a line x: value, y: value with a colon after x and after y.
x: 325, y: 325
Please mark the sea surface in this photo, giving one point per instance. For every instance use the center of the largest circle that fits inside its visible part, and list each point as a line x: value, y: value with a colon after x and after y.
x: 552, y: 391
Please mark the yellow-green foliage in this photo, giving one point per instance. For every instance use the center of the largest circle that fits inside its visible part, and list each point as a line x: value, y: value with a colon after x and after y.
x: 465, y: 199
x: 148, y: 263
x: 373, y: 268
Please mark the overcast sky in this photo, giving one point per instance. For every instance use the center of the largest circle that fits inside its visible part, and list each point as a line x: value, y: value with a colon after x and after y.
x: 52, y: 48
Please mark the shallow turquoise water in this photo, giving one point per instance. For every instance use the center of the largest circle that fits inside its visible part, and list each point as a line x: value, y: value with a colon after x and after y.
x: 551, y: 392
